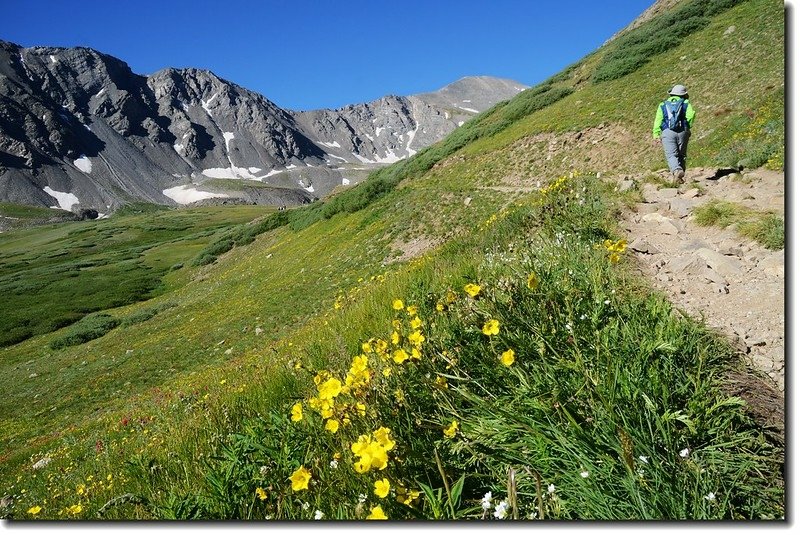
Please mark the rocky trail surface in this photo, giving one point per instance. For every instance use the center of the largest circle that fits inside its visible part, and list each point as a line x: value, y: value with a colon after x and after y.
x: 731, y: 282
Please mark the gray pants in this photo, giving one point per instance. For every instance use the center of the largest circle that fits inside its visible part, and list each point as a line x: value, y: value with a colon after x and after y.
x: 675, y: 144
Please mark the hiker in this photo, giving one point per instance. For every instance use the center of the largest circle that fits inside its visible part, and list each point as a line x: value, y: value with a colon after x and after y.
x: 672, y: 126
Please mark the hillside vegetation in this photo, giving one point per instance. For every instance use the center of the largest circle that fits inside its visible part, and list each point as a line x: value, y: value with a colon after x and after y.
x: 460, y: 336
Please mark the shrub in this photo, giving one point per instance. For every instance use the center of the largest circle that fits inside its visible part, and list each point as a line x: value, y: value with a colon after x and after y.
x: 88, y: 328
x: 656, y: 36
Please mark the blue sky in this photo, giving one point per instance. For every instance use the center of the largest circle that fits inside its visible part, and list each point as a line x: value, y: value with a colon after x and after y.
x: 304, y: 54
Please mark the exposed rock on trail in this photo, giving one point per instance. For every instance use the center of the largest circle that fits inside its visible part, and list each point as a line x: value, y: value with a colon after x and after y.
x: 732, y: 282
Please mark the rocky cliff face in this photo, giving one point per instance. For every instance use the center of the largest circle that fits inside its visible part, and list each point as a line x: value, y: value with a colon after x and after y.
x: 80, y: 130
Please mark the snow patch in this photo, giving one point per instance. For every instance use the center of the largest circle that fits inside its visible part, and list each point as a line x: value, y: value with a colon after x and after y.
x: 467, y: 101
x: 379, y: 130
x: 228, y: 137
x: 207, y: 103
x: 187, y: 194
x: 390, y: 157
x: 53, y: 59
x: 460, y: 123
x: 412, y: 133
x: 65, y: 200
x: 101, y: 92
x: 362, y: 159
x: 345, y: 182
x: 254, y: 169
x: 231, y: 172
x: 332, y: 144
x: 178, y: 148
x: 291, y: 166
x: 471, y: 110
x: 309, y: 189
x: 338, y: 157
x: 273, y: 172
x: 84, y: 164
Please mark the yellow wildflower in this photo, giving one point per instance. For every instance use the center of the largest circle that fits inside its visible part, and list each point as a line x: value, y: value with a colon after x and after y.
x: 377, y: 514
x: 75, y: 509
x: 400, y: 356
x: 451, y: 297
x: 614, y: 258
x: 507, y: 358
x: 382, y: 436
x: 297, y: 412
x: 416, y: 338
x: 397, y: 304
x: 382, y: 488
x: 411, y: 310
x: 366, y: 347
x: 440, y: 307
x: 451, y: 430
x: 35, y: 510
x: 300, y: 478
x: 381, y: 345
x: 472, y: 289
x: 261, y: 493
x: 415, y: 354
x: 491, y: 327
x: 361, y: 409
x: 415, y: 323
x: 332, y: 425
x: 396, y: 338
x: 330, y: 388
x: 406, y: 496
x: 533, y: 281
x: 441, y: 382
x: 387, y: 372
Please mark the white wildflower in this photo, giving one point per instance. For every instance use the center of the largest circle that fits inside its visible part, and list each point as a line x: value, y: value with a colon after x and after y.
x: 362, y: 498
x: 334, y: 464
x: 584, y: 474
x: 643, y: 459
x: 318, y: 515
x: 551, y: 488
x: 684, y: 452
x: 306, y: 505
x: 607, y: 301
x: 710, y: 496
x: 500, y: 510
x: 486, y: 502
x: 263, y: 471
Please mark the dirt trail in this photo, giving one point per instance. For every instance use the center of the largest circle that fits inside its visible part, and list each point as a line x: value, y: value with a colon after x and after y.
x: 733, y: 283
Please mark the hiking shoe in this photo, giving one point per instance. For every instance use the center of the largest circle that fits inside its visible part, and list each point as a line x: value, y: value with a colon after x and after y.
x: 677, y: 176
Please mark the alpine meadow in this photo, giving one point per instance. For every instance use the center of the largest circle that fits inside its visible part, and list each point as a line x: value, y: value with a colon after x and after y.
x: 465, y: 334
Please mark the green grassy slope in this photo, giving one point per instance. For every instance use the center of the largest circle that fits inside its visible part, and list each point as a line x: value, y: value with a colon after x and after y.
x: 182, y: 410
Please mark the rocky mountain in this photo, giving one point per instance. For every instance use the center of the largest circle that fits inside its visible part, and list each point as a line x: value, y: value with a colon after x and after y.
x: 80, y: 131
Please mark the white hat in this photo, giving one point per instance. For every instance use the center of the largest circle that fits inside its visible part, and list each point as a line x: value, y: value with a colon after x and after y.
x: 679, y: 91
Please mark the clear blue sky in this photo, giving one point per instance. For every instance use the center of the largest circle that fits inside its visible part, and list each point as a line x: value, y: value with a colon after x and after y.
x: 311, y: 54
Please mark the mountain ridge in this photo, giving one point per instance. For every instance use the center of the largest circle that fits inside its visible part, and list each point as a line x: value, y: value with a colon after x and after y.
x: 80, y: 130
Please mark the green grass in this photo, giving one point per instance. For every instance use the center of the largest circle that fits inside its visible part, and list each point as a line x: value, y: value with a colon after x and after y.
x: 186, y: 414
x: 53, y: 276
x: 765, y: 228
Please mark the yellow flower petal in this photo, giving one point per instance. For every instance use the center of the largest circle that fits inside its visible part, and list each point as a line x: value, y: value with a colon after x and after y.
x: 377, y: 514
x: 507, y: 358
x: 382, y: 487
x: 300, y: 478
